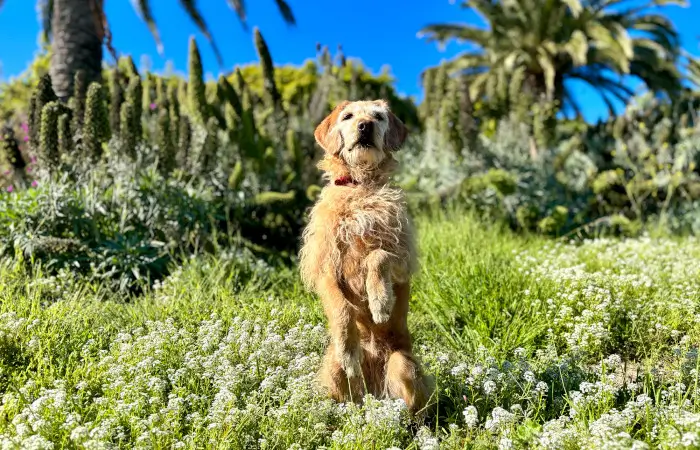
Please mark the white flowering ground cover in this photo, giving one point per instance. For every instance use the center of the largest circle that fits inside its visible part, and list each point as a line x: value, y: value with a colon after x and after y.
x: 532, y: 344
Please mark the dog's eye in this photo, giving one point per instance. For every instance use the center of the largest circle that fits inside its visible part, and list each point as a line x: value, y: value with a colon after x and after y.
x: 378, y: 116
x: 347, y: 116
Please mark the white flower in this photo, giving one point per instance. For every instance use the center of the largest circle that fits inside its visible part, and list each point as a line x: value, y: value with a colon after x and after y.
x: 471, y: 416
x: 489, y: 387
x: 613, y: 361
x: 426, y: 440
x: 499, y: 419
x: 79, y: 434
x: 505, y: 444
x: 690, y: 440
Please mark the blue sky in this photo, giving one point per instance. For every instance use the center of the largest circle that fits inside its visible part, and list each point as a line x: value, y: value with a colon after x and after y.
x: 393, y: 42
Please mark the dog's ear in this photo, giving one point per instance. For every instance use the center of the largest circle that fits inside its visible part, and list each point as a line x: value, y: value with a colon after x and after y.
x: 396, y: 133
x: 323, y: 130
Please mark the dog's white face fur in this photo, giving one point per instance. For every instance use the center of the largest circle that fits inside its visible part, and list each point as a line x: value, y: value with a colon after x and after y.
x: 362, y: 133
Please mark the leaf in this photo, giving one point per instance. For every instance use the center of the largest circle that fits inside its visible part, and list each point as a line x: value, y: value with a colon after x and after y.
x: 45, y: 8
x: 517, y: 80
x: 681, y: 3
x: 654, y: 46
x: 577, y: 48
x: 143, y: 8
x: 574, y: 6
x: 239, y: 7
x: 549, y: 71
x: 623, y: 39
x: 192, y: 11
x: 510, y: 61
x: 286, y: 12
x: 445, y: 32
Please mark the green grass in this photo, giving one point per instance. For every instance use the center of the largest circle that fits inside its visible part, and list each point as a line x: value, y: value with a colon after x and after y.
x: 533, y: 343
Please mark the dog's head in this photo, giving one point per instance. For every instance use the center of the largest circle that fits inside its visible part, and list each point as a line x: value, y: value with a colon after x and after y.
x: 362, y: 134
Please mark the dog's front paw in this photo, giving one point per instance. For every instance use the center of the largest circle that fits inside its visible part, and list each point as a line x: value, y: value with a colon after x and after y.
x: 381, y: 302
x: 351, y: 361
x: 380, y: 313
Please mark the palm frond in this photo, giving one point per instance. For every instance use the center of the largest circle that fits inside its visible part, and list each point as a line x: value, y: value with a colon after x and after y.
x: 660, y: 29
x: 609, y: 104
x: 190, y: 7
x: 577, y: 48
x: 693, y: 66
x: 45, y: 8
x: 467, y: 61
x: 445, y: 32
x: 286, y: 12
x: 143, y: 8
x: 570, y: 102
x: 604, y: 84
x: 550, y: 72
x: 574, y: 6
x: 517, y: 80
x: 239, y: 7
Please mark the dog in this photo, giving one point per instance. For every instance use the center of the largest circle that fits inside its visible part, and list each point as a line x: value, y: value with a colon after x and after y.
x: 358, y: 255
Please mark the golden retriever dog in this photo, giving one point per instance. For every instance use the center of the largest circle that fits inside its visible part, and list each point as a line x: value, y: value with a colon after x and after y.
x: 358, y: 255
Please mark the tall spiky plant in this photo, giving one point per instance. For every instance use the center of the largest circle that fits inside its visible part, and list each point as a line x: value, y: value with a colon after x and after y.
x: 96, y: 125
x: 196, y: 89
x: 77, y: 102
x: 116, y: 98
x: 65, y: 136
x: 49, y: 156
x: 133, y: 96
x: 128, y: 133
x: 166, y: 149
x: 43, y: 94
x: 174, y: 112
x: 268, y: 68
x: 183, y: 144
x: 209, y: 148
x: 9, y: 148
x: 230, y: 96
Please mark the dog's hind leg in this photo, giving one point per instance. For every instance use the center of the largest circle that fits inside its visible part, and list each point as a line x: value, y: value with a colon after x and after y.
x: 404, y: 379
x: 341, y: 321
x: 335, y: 381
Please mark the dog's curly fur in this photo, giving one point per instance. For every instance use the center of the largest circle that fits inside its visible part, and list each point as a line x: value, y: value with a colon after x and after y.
x: 358, y: 255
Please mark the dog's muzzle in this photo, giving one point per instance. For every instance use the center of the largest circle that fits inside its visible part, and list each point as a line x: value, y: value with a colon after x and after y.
x: 366, y: 134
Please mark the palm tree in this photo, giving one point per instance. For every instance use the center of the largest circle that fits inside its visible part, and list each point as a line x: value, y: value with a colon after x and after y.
x: 693, y: 66
x: 535, y: 47
x: 79, y: 29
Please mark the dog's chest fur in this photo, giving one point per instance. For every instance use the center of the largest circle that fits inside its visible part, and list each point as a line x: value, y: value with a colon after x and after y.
x: 347, y: 223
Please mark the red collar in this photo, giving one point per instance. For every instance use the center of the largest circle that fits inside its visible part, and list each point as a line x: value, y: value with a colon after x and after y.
x: 345, y: 180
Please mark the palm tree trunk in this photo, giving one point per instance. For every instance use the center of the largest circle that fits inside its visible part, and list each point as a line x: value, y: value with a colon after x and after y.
x: 77, y: 44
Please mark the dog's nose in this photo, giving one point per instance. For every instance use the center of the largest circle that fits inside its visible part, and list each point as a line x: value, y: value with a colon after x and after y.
x: 364, y: 128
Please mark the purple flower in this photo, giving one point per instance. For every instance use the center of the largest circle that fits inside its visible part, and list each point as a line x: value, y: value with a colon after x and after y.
x: 25, y: 127
x: 33, y: 159
x: 153, y: 106
x: 10, y: 188
x: 26, y: 138
x: 29, y: 169
x: 7, y: 172
x: 34, y: 183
